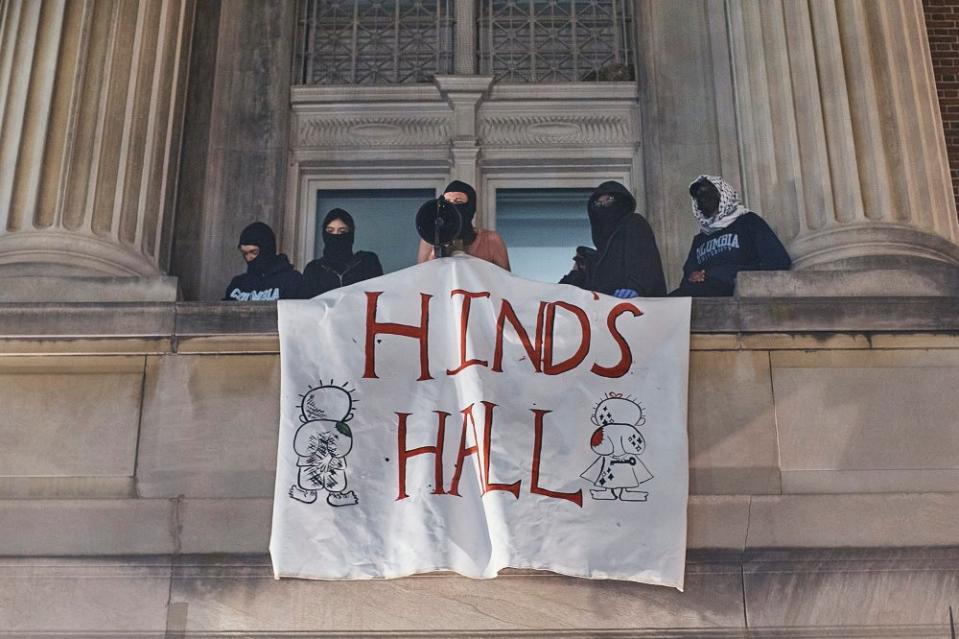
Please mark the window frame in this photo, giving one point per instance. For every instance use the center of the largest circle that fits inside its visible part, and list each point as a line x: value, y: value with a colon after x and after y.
x: 301, y: 217
x: 544, y: 177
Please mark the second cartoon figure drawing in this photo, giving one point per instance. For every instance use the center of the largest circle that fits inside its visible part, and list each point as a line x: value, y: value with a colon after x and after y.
x: 322, y: 443
x: 617, y: 471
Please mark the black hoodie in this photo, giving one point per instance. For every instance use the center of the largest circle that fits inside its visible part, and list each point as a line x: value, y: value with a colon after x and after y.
x: 626, y: 255
x: 270, y: 276
x: 339, y: 265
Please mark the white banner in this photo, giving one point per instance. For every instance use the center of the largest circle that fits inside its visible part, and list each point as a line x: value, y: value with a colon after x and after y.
x: 452, y: 416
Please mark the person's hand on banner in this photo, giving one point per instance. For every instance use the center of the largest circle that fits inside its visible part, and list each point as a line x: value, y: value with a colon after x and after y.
x: 624, y: 293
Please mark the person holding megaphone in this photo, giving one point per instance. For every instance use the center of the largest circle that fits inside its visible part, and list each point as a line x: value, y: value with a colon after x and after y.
x: 447, y: 224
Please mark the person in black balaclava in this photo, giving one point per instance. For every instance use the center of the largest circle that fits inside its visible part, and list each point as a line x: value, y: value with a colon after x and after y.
x: 482, y: 243
x: 732, y: 239
x: 268, y: 276
x: 625, y: 262
x: 339, y: 265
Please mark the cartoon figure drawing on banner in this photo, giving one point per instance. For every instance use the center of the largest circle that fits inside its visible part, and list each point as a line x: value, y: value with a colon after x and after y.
x: 617, y: 471
x: 322, y: 443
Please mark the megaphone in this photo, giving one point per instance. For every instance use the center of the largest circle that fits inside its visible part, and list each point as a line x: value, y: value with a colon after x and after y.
x: 440, y: 223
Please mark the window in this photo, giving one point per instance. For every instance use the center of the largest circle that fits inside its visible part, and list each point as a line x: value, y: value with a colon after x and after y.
x: 556, y: 40
x: 385, y: 221
x: 542, y: 228
x: 380, y: 42
x: 373, y: 41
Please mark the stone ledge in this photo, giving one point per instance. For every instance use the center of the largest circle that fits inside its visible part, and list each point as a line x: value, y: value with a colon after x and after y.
x: 87, y: 320
x: 918, y: 280
x: 804, y: 315
x: 848, y: 520
x: 724, y: 524
x: 795, y: 593
x: 224, y: 318
x: 62, y: 527
x: 38, y: 288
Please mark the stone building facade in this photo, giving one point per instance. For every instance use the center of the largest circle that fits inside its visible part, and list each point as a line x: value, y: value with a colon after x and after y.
x: 138, y: 141
x: 138, y: 432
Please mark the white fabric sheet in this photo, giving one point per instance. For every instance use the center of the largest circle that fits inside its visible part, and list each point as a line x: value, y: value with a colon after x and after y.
x: 565, y: 453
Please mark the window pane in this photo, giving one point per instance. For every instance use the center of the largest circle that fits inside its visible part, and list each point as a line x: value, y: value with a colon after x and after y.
x: 373, y: 41
x: 555, y: 40
x: 385, y: 221
x: 542, y: 228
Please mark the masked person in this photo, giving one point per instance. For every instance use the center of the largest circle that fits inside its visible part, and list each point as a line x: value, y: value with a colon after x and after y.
x: 482, y: 243
x: 625, y: 262
x: 732, y: 239
x: 339, y: 265
x: 268, y: 276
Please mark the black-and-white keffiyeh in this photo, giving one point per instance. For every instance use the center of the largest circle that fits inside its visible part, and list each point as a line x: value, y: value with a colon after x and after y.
x: 730, y: 208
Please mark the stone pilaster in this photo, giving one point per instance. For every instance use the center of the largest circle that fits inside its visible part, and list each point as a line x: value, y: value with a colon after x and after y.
x: 90, y: 121
x: 840, y: 135
x: 464, y: 94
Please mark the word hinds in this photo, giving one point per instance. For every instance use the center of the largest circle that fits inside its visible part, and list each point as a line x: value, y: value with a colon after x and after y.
x: 539, y: 349
x: 481, y: 453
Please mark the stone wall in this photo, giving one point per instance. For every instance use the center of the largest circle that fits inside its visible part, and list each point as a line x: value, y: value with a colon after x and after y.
x: 235, y: 144
x: 137, y: 457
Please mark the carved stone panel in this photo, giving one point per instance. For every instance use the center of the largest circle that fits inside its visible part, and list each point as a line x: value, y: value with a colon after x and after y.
x: 574, y: 126
x: 372, y: 130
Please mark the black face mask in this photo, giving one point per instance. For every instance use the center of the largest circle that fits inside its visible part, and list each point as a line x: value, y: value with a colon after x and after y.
x: 605, y: 216
x: 260, y: 235
x: 338, y: 248
x: 707, y: 197
x: 466, y: 209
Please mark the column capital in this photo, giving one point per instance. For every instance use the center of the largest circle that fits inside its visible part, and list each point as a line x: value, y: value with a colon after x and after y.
x: 464, y: 94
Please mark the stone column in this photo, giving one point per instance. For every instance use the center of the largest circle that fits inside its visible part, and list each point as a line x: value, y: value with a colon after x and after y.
x: 90, y: 119
x: 840, y: 135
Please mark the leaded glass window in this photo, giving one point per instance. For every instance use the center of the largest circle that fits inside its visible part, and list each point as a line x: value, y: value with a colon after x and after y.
x: 555, y: 40
x: 373, y: 41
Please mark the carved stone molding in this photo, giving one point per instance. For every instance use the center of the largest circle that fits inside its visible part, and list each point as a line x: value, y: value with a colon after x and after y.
x: 372, y: 131
x: 551, y: 129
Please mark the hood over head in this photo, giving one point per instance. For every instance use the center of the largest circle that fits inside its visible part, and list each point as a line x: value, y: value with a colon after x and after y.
x: 338, y: 248
x: 467, y: 209
x: 604, y: 218
x: 261, y: 235
x: 729, y: 210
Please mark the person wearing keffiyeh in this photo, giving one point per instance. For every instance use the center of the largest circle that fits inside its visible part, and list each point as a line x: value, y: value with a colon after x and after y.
x: 731, y: 239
